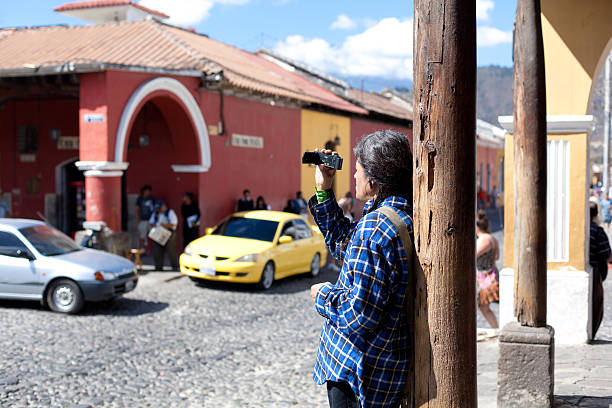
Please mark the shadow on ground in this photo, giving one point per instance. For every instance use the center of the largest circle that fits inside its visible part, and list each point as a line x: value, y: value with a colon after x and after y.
x: 567, y: 401
x: 124, y: 307
x: 289, y: 285
x: 116, y: 307
x: 21, y: 304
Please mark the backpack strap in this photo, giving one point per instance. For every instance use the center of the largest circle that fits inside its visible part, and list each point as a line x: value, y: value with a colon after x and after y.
x: 401, y: 227
x: 397, y: 221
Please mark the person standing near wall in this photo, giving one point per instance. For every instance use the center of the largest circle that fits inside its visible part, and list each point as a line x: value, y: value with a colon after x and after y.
x: 364, y: 347
x: 246, y: 202
x: 190, y: 211
x: 599, y: 257
x: 300, y: 205
x: 4, y: 206
x: 165, y: 217
x: 145, y: 207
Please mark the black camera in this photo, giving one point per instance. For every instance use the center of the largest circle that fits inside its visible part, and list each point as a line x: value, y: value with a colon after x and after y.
x: 328, y: 160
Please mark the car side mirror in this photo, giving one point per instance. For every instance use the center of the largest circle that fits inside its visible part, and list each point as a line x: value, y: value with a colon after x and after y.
x: 208, y: 231
x: 285, y: 239
x: 24, y: 254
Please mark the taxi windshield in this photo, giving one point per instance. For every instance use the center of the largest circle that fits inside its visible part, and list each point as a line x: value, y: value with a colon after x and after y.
x: 248, y: 228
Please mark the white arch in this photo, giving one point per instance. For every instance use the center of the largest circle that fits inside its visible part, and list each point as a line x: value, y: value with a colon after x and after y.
x: 175, y: 87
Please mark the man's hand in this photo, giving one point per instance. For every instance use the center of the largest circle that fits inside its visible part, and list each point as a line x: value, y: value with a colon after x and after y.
x: 324, y: 176
x: 315, y: 288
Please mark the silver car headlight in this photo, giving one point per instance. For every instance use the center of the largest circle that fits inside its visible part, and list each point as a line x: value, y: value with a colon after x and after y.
x: 247, y: 258
x: 188, y: 250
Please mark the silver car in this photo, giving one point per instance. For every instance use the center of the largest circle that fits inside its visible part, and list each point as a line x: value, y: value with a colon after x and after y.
x: 38, y: 262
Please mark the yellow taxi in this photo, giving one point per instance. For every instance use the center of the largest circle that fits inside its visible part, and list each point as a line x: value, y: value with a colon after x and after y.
x: 255, y: 247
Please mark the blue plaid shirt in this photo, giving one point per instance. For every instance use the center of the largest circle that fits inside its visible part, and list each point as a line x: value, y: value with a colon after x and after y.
x: 365, y: 341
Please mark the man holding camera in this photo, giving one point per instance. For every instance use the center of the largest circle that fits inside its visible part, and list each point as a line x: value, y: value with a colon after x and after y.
x: 365, y: 342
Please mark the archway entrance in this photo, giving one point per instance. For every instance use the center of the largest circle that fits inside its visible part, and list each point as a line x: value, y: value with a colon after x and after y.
x: 161, y: 135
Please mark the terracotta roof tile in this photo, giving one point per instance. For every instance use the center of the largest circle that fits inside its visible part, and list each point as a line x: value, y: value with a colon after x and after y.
x: 106, y: 3
x: 378, y: 103
x: 151, y: 44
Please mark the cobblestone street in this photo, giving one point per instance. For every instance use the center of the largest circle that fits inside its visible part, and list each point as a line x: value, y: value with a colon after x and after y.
x: 171, y: 343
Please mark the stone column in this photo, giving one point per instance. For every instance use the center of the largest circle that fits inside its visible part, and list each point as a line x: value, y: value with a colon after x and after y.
x: 522, y: 350
x: 103, y: 192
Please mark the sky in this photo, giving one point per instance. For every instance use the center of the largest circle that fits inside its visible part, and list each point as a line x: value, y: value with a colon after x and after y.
x: 344, y: 37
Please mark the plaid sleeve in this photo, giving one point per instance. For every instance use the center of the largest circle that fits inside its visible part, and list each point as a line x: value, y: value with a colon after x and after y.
x: 331, y: 221
x: 359, y: 308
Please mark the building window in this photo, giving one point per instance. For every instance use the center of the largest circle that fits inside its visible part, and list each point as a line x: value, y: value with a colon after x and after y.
x: 33, y: 185
x: 27, y: 139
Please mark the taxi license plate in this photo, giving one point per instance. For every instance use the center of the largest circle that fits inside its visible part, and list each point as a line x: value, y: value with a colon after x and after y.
x: 208, y: 270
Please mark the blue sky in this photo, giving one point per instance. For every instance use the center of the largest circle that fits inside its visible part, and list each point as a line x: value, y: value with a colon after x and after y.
x: 344, y: 37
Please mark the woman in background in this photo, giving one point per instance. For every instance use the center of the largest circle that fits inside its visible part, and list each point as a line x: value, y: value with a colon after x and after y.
x: 487, y: 252
x: 261, y: 204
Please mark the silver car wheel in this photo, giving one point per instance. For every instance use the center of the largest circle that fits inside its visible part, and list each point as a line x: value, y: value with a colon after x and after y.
x: 267, y: 276
x: 63, y: 297
x: 315, y: 265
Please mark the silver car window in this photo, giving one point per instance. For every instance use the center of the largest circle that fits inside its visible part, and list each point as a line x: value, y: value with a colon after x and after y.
x: 10, y: 244
x: 49, y: 241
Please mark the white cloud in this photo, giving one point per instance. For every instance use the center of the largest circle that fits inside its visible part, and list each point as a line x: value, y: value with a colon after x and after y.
x: 482, y: 9
x: 343, y: 22
x: 187, y: 12
x: 490, y: 36
x: 384, y: 49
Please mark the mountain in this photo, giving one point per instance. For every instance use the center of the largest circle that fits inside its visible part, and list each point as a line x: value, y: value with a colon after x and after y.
x: 493, y: 93
x: 493, y: 90
x: 375, y: 84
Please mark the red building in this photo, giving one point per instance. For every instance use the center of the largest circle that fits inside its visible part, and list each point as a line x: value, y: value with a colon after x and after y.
x: 91, y: 113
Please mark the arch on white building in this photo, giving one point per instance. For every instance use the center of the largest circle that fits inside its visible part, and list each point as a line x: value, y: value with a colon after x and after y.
x: 173, y: 88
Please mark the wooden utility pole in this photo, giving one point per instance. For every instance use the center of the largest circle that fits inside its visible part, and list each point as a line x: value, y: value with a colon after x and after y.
x: 529, y: 166
x: 444, y: 203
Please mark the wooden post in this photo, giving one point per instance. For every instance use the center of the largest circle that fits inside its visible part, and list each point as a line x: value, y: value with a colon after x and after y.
x: 529, y: 167
x: 444, y: 203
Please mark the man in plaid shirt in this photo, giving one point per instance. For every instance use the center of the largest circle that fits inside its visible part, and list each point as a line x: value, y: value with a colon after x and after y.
x: 363, y: 353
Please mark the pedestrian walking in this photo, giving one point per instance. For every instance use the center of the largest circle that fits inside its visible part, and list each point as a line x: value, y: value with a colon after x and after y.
x: 300, y: 205
x: 260, y: 204
x: 246, y: 202
x: 600, y: 256
x: 145, y: 207
x: 364, y: 345
x: 165, y: 217
x: 190, y: 211
x: 487, y: 252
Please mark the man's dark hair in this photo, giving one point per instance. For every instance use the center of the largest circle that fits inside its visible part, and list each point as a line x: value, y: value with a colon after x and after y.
x: 298, y: 194
x: 593, y: 209
x: 386, y: 159
x: 246, y: 191
x: 145, y: 188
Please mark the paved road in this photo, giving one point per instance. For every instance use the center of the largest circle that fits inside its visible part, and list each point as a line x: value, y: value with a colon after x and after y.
x: 171, y: 343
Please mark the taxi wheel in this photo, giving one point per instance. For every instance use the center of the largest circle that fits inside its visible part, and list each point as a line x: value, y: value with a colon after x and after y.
x: 267, y: 277
x: 315, y: 265
x: 65, y: 296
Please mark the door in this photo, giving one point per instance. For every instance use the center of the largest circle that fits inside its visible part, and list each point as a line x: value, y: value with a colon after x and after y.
x: 18, y: 276
x: 285, y: 260
x: 306, y: 247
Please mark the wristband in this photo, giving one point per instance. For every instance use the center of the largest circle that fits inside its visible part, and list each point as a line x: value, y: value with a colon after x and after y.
x: 321, y: 195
